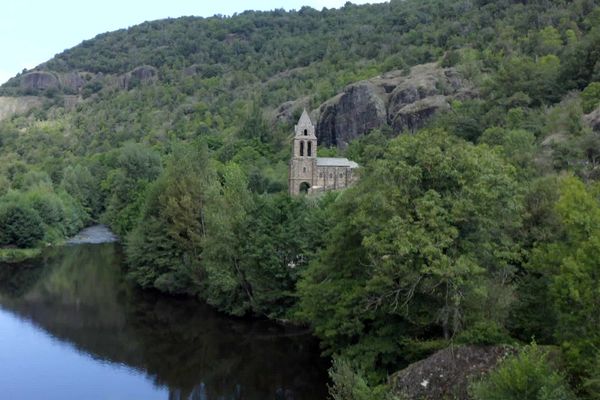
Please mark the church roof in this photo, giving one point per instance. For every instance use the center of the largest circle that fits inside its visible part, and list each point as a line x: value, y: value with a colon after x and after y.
x: 304, y: 119
x: 335, y: 162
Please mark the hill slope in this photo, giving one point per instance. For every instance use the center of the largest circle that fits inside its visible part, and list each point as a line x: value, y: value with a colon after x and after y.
x: 475, y: 123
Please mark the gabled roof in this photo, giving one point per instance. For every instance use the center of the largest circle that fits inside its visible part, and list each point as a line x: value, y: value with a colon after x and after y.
x: 335, y: 162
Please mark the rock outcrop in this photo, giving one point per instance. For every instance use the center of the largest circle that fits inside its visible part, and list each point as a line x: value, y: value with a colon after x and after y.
x: 72, y: 82
x: 289, y: 110
x: 39, y: 81
x: 359, y: 109
x: 447, y: 373
x: 10, y: 106
x: 404, y: 102
x: 593, y: 119
x: 142, y: 75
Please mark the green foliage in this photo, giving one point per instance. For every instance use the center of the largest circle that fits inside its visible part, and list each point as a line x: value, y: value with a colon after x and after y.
x: 484, y: 333
x: 526, y: 376
x: 348, y: 384
x: 527, y: 82
x: 83, y: 187
x: 137, y: 166
x: 165, y: 248
x: 590, y: 97
x: 20, y: 225
x: 570, y: 264
x: 517, y: 145
x: 441, y: 240
x: 416, y: 249
x: 591, y: 385
x: 17, y: 256
x: 256, y: 248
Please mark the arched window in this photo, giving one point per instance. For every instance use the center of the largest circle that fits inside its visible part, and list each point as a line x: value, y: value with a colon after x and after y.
x: 306, y: 132
x: 304, y: 169
x: 301, y: 149
x: 309, y: 151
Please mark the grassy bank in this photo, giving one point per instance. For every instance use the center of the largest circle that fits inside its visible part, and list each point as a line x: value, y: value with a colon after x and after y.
x: 18, y: 255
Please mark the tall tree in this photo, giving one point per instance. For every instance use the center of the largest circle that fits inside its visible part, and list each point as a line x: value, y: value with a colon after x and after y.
x: 423, y: 245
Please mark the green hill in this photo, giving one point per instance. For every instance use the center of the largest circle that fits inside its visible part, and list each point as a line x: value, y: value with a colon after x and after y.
x: 476, y: 124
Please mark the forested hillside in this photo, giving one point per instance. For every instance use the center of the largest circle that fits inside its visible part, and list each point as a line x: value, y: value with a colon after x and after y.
x: 476, y: 219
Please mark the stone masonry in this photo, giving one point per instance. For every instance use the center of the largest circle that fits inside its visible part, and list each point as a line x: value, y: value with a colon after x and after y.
x: 309, y: 173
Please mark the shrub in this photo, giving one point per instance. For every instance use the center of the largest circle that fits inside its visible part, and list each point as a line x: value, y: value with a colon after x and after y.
x: 590, y: 97
x: 20, y: 225
x: 348, y: 384
x: 526, y: 376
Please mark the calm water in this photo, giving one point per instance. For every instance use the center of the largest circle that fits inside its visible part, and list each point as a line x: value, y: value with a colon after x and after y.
x: 72, y: 328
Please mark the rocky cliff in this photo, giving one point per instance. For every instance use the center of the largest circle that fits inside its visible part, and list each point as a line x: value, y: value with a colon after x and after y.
x: 402, y: 101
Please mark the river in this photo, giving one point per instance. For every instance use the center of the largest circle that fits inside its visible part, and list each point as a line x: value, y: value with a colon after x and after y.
x: 71, y: 327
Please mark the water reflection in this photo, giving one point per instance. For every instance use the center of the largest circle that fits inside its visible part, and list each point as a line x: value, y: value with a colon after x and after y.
x: 78, y: 296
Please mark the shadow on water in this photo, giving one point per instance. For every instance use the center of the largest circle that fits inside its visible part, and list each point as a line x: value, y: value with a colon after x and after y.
x: 78, y: 295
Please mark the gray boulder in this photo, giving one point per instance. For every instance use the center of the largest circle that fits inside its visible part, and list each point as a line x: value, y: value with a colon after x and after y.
x: 447, y: 373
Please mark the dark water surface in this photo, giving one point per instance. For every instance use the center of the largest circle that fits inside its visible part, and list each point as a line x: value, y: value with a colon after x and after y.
x: 72, y: 328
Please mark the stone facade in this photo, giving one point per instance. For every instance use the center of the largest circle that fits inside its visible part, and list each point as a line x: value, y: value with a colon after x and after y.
x: 309, y: 173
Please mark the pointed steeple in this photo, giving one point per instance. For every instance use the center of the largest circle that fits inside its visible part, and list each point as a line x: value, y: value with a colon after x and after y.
x: 305, y: 126
x: 304, y: 119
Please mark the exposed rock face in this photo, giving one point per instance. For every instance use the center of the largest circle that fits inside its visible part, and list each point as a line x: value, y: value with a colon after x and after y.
x: 36, y: 81
x: 593, y: 119
x: 403, y: 102
x: 413, y: 116
x: 71, y: 101
x: 358, y: 110
x: 10, y: 106
x: 142, y: 75
x: 285, y: 113
x: 72, y: 82
x: 447, y: 373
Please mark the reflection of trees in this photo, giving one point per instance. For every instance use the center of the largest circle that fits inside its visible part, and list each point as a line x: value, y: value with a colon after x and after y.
x: 80, y: 297
x: 16, y: 279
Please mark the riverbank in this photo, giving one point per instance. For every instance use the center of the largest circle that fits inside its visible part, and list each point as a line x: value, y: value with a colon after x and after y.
x: 95, y: 234
x: 14, y: 256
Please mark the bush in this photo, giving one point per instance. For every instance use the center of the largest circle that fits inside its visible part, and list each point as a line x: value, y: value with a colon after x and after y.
x: 590, y: 97
x: 591, y: 386
x: 485, y: 333
x: 527, y: 376
x: 20, y: 226
x: 348, y: 384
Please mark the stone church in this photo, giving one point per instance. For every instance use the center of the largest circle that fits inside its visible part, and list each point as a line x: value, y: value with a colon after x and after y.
x: 311, y: 174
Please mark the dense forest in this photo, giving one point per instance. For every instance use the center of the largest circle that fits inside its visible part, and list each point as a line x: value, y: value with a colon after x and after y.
x: 481, y: 227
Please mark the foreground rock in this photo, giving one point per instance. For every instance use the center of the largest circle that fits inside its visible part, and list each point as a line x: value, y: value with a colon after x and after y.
x: 403, y: 102
x: 447, y: 373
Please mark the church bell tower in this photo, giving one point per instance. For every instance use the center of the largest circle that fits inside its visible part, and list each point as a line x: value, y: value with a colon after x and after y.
x: 303, y: 165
